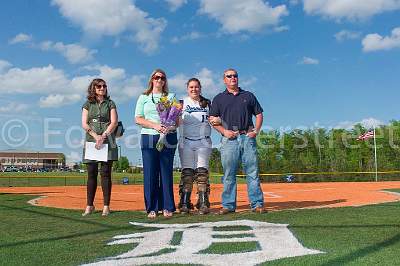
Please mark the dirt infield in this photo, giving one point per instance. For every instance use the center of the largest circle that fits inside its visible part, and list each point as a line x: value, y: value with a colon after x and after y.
x: 278, y: 196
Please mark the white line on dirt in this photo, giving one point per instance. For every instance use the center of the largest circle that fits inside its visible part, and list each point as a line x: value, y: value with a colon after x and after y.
x: 306, y: 190
x: 272, y: 195
x: 34, y: 201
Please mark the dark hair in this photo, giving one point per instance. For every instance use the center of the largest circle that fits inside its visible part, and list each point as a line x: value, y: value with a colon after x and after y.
x: 91, y: 91
x: 203, y: 101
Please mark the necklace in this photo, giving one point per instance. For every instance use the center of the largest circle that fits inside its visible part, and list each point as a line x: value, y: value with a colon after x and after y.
x: 152, y: 98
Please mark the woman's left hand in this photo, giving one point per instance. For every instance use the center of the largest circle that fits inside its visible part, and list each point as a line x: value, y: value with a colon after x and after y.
x: 163, y: 130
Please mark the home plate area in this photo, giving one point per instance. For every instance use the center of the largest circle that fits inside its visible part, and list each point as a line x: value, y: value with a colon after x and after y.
x: 190, y: 244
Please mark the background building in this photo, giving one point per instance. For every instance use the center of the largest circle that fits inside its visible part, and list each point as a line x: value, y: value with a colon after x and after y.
x: 31, y: 159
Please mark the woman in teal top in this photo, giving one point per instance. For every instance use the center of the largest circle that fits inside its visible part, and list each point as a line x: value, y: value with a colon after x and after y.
x: 157, y: 165
x: 99, y: 119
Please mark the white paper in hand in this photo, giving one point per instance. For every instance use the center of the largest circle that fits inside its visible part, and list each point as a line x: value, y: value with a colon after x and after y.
x: 91, y: 153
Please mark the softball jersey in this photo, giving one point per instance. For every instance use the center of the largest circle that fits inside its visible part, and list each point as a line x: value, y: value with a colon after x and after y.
x: 195, y: 142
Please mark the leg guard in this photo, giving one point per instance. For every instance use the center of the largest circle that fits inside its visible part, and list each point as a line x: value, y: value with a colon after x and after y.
x: 203, y: 188
x: 203, y: 204
x: 185, y: 190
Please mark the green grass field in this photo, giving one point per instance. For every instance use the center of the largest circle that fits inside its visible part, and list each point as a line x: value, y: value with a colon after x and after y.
x: 58, y: 179
x: 77, y: 179
x: 21, y: 179
x: 30, y: 235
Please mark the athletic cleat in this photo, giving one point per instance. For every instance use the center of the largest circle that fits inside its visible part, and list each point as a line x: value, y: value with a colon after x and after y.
x: 203, y: 203
x: 185, y: 205
x: 184, y: 210
x: 204, y: 210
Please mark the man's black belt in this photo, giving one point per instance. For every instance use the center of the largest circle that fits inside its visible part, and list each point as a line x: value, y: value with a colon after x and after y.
x: 244, y: 132
x: 241, y: 132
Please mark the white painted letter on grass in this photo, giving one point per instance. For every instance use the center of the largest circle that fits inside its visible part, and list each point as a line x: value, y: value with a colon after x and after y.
x: 274, y: 241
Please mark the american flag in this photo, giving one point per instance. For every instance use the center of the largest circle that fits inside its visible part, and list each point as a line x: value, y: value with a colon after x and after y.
x: 366, y: 135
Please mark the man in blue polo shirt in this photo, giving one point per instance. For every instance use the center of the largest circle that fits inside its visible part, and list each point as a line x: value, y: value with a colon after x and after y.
x: 235, y: 108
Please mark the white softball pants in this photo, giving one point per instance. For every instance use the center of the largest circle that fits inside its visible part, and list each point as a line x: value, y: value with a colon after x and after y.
x: 195, y: 153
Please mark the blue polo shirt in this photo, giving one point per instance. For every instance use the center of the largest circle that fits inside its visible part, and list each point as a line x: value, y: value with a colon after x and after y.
x: 236, y: 111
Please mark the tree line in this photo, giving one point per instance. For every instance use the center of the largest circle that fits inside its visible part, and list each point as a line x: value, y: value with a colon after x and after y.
x: 324, y: 150
x: 318, y: 150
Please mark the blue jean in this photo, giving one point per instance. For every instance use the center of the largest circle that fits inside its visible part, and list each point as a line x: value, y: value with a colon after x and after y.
x: 157, y: 173
x: 232, y: 151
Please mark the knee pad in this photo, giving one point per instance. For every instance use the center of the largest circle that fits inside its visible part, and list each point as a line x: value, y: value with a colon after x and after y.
x: 187, y: 177
x: 201, y: 175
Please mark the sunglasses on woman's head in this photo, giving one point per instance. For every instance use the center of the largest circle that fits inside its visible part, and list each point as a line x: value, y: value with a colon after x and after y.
x: 159, y: 77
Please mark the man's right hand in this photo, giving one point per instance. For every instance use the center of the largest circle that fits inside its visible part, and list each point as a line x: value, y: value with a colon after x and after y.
x: 230, y: 134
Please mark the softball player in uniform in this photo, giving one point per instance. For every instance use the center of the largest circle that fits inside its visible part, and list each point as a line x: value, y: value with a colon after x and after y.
x: 194, y: 149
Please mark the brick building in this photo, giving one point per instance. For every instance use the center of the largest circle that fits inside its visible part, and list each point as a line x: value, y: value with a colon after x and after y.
x: 31, y: 159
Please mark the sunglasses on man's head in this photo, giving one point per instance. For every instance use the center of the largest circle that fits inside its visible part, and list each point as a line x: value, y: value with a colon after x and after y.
x: 99, y: 86
x: 159, y: 77
x: 232, y: 76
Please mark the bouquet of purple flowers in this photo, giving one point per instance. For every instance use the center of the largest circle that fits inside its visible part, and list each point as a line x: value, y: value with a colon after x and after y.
x: 169, y: 113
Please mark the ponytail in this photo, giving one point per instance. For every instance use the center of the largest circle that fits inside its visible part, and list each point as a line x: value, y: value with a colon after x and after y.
x: 204, y: 102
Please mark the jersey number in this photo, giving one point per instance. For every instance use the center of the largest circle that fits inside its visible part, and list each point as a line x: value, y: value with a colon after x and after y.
x: 204, y: 118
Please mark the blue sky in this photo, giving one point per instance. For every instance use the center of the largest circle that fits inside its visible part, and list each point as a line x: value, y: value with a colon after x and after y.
x: 327, y: 63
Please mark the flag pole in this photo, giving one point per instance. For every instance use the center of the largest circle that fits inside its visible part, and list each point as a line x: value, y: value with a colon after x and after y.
x: 376, y: 162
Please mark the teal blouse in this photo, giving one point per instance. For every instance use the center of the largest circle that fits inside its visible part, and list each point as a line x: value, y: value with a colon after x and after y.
x: 146, y: 108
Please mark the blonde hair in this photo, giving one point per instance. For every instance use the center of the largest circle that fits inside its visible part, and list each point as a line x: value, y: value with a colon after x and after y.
x: 164, y: 89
